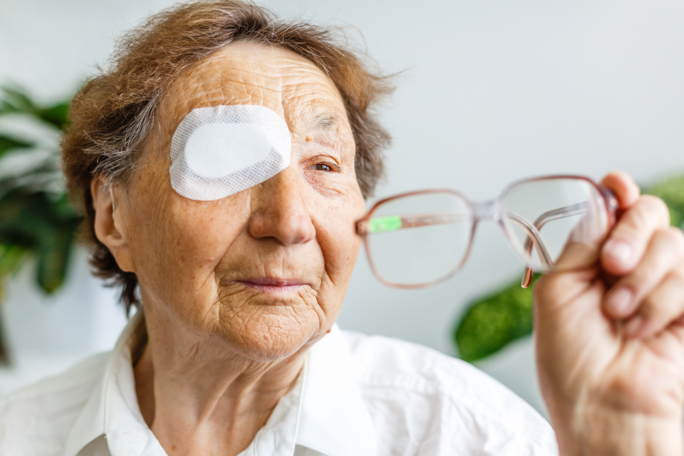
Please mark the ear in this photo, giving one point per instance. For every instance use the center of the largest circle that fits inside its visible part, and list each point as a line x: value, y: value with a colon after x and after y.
x: 110, y: 222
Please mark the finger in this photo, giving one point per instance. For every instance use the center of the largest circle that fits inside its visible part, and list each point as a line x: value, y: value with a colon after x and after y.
x: 583, y: 247
x: 624, y: 188
x: 627, y: 242
x: 664, y: 254
x: 664, y: 306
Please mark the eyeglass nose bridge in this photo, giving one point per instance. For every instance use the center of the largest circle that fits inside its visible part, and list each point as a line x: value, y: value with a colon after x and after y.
x: 487, y: 211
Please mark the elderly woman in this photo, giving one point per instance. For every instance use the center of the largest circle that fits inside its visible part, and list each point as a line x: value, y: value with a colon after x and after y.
x: 238, y: 280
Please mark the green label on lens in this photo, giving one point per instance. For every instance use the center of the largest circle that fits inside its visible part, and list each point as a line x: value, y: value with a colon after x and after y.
x: 389, y: 223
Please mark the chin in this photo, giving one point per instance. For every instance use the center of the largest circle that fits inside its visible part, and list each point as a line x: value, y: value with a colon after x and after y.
x: 272, y: 337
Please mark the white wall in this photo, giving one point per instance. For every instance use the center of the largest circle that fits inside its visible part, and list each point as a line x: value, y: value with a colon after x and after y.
x: 491, y: 91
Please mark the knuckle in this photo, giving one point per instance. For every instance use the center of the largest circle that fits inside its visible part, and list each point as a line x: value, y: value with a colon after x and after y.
x: 643, y: 279
x: 676, y: 234
x: 678, y: 277
x: 664, y: 253
x: 642, y: 220
x: 654, y: 209
x: 673, y: 240
x: 666, y: 236
x: 630, y: 229
x: 663, y: 301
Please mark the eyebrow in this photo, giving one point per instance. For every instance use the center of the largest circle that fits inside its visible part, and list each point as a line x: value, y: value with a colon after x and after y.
x: 326, y: 120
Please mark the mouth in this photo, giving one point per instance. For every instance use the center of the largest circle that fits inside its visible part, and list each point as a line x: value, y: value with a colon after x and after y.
x: 274, y: 286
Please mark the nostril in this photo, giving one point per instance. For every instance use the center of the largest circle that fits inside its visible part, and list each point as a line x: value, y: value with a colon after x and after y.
x: 287, y: 229
x: 281, y: 211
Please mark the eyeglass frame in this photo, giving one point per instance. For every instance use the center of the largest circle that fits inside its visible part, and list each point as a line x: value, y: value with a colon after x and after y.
x: 488, y: 211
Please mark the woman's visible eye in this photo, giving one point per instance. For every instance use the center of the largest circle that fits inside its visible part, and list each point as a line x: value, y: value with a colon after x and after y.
x: 322, y: 167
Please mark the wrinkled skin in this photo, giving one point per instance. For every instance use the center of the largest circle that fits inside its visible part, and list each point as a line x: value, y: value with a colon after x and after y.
x: 222, y: 342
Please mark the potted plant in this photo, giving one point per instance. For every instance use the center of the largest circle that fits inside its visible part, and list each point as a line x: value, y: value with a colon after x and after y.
x: 38, y: 232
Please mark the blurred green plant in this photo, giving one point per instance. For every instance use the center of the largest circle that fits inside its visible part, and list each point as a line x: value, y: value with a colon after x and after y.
x: 495, y: 320
x: 36, y: 219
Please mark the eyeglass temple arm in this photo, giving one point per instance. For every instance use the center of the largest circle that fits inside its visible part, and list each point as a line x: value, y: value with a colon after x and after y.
x: 533, y: 237
x: 397, y: 222
x: 543, y: 219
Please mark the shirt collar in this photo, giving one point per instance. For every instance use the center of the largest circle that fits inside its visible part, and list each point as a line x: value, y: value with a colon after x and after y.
x: 324, y: 411
x: 334, y: 419
x: 112, y: 409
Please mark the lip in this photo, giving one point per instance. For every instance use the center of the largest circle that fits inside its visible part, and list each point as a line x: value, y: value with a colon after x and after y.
x: 273, y: 286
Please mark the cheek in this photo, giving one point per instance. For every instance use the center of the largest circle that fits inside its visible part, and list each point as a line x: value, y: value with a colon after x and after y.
x: 335, y: 222
x: 180, y: 242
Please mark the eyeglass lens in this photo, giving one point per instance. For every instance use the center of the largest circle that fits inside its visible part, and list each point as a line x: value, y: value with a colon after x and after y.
x: 541, y: 216
x: 419, y: 239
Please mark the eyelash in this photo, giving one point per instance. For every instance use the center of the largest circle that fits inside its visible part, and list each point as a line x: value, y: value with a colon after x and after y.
x: 318, y: 166
x: 331, y: 167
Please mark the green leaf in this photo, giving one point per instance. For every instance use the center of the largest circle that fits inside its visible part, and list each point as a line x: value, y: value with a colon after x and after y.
x: 44, y: 227
x: 54, y: 251
x: 25, y: 213
x: 11, y: 258
x: 491, y: 323
x: 64, y: 209
x: 672, y: 192
x: 35, y: 216
x: 15, y: 100
x: 7, y: 143
x: 57, y: 115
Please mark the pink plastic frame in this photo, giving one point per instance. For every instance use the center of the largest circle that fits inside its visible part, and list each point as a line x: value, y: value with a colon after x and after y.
x: 486, y: 211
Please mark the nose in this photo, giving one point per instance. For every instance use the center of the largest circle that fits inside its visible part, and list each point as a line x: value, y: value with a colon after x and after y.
x: 280, y: 210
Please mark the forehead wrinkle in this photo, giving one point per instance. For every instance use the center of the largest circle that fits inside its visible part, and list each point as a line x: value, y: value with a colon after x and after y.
x: 252, y: 72
x: 291, y: 85
x: 326, y: 120
x: 223, y: 91
x: 313, y: 106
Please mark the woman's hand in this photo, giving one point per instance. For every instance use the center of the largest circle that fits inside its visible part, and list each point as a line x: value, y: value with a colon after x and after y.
x: 610, y: 340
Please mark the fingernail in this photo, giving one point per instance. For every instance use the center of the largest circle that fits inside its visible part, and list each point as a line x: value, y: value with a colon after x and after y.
x: 620, y: 300
x: 634, y: 325
x: 619, y: 250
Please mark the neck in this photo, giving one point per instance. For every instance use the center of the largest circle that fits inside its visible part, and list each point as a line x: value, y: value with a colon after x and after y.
x: 200, y: 397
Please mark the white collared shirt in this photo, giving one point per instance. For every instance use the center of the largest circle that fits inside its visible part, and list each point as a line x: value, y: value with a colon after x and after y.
x: 357, y: 396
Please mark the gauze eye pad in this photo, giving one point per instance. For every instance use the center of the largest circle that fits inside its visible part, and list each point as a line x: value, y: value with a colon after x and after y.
x: 219, y: 151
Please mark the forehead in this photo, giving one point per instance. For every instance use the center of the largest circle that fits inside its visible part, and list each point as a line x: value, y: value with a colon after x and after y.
x: 256, y: 74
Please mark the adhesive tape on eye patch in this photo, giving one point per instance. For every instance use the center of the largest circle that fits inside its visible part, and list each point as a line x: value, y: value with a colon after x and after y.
x: 220, y: 151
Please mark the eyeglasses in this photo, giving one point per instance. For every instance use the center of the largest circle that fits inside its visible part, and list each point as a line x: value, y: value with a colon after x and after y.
x: 421, y: 238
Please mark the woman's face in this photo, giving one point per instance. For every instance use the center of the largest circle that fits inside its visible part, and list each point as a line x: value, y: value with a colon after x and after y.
x: 266, y: 269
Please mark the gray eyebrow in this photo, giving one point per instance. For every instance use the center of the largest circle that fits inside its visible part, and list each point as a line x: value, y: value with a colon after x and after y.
x: 325, y: 120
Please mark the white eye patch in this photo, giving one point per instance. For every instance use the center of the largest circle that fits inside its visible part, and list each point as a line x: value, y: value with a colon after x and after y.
x: 219, y: 151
